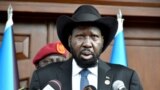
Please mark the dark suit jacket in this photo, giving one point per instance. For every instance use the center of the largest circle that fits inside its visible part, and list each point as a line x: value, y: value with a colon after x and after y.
x: 106, y: 72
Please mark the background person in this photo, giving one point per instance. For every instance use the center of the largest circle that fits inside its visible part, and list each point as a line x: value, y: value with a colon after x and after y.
x: 50, y: 53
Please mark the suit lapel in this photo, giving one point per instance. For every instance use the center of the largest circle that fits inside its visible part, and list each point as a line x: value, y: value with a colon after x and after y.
x: 104, y: 77
x: 66, y: 76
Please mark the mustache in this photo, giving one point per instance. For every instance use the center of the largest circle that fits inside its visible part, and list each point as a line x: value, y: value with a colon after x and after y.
x: 86, y: 49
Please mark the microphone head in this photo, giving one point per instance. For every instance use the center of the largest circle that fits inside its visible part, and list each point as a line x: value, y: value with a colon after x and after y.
x: 118, y: 85
x: 89, y: 87
x: 53, y: 85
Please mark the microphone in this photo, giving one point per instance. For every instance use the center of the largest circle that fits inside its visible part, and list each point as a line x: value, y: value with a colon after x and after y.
x: 118, y: 85
x: 89, y: 87
x: 53, y: 85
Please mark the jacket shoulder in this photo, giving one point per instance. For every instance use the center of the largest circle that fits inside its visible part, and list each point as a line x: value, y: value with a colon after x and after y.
x: 120, y: 67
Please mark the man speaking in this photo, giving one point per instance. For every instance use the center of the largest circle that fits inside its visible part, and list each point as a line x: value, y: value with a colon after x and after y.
x: 86, y: 35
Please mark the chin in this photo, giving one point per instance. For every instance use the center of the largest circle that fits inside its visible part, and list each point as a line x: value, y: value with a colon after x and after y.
x: 84, y: 63
x: 87, y: 63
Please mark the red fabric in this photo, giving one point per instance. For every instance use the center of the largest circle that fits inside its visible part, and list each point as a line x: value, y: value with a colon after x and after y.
x: 51, y: 48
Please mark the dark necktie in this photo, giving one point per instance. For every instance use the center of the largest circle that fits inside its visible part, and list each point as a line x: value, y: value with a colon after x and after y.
x: 84, y: 81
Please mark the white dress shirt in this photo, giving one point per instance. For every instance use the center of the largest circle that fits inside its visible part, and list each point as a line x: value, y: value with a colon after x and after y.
x: 92, y: 77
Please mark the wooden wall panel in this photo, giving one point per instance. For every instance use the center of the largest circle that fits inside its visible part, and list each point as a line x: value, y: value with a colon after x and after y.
x: 145, y: 60
x: 145, y: 3
x: 22, y: 46
x: 143, y: 48
x: 68, y: 8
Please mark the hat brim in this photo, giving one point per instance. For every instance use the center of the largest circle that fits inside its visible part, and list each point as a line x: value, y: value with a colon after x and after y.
x: 107, y: 25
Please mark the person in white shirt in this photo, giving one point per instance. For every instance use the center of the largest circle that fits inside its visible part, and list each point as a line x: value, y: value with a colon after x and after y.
x: 86, y: 35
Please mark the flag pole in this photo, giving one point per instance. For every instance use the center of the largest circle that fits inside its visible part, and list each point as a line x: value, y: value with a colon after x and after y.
x: 10, y: 15
x: 10, y: 11
x: 118, y: 55
x: 120, y: 22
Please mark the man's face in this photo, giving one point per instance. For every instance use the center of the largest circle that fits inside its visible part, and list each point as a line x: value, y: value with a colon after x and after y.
x: 86, y: 43
x: 51, y: 59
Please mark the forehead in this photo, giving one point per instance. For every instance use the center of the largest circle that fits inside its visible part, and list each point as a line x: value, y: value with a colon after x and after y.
x: 81, y: 29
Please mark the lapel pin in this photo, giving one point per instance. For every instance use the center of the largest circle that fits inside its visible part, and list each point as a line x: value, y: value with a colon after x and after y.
x: 107, y: 82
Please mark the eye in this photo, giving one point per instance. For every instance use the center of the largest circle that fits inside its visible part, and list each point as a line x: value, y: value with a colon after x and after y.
x: 80, y: 36
x: 94, y: 36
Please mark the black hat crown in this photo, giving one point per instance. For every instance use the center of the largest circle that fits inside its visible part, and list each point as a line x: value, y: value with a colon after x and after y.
x: 86, y: 13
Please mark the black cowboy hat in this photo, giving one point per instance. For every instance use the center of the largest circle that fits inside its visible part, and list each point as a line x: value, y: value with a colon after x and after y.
x: 86, y: 15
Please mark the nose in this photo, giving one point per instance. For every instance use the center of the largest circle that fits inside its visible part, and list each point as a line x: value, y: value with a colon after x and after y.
x: 87, y: 43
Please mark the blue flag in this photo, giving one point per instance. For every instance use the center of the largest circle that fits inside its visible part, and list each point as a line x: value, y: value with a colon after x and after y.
x: 8, y: 65
x: 118, y: 55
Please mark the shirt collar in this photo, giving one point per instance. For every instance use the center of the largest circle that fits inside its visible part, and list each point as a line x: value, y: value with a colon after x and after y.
x: 76, y: 69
